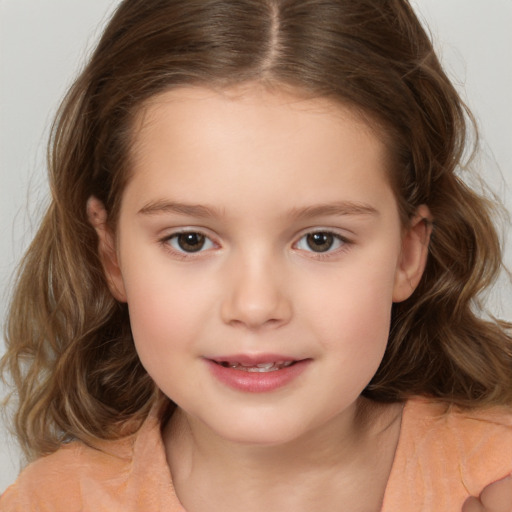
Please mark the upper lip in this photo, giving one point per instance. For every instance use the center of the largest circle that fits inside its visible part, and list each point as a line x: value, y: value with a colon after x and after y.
x: 253, y: 359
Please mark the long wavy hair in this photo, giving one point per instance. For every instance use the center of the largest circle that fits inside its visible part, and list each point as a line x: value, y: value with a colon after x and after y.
x: 70, y: 354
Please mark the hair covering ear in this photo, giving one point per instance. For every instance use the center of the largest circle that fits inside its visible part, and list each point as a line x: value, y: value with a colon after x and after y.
x: 97, y: 216
x: 413, y: 256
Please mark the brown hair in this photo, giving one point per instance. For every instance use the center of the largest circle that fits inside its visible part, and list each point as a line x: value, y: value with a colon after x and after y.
x: 70, y: 352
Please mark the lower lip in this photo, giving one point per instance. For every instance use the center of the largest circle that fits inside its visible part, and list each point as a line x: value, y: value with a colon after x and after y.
x: 257, y: 382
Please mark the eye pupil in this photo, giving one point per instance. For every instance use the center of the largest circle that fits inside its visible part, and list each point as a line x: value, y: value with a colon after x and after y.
x: 320, y: 242
x: 191, y: 242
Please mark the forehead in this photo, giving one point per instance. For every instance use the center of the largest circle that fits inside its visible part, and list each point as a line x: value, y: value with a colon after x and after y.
x: 248, y: 138
x: 202, y: 109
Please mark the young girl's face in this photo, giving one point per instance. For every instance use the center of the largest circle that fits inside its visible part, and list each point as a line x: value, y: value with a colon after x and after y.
x: 259, y: 249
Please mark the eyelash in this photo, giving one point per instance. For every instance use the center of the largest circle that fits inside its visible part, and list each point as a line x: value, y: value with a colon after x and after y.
x: 167, y: 242
x: 341, y: 244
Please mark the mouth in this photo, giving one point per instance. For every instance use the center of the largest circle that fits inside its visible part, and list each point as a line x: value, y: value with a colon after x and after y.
x: 256, y: 373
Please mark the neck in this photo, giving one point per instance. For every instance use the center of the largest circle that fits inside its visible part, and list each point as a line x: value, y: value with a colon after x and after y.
x: 346, y: 461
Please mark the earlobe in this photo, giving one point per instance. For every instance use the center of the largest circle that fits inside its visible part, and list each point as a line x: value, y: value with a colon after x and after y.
x: 413, y: 257
x: 97, y: 216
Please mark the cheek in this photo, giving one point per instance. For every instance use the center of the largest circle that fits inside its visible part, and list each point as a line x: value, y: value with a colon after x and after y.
x: 352, y: 311
x: 165, y: 314
x: 360, y: 297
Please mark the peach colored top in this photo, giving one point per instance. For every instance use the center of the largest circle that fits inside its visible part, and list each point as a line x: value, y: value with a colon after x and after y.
x: 442, y: 457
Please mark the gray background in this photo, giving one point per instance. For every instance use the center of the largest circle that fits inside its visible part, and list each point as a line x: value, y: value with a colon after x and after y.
x: 43, y: 43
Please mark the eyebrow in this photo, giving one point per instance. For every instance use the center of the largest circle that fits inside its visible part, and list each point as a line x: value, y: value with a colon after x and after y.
x: 338, y: 208
x: 162, y: 206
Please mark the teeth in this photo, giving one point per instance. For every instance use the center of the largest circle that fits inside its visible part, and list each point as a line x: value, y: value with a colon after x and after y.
x: 258, y: 368
x: 266, y: 365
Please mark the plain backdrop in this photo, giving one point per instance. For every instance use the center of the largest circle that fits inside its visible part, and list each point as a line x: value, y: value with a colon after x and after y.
x: 43, y: 43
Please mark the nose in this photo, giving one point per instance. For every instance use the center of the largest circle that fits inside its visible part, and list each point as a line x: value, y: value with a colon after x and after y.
x: 255, y: 296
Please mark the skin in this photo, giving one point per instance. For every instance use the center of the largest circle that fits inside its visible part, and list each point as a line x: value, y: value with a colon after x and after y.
x: 496, y: 497
x: 252, y: 171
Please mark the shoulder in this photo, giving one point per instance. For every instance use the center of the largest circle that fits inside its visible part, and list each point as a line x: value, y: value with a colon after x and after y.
x: 446, y: 454
x: 58, y: 481
x: 125, y: 475
x: 431, y: 416
x: 477, y: 441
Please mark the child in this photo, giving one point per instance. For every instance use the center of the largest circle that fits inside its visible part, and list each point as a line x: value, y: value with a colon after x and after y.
x: 255, y: 285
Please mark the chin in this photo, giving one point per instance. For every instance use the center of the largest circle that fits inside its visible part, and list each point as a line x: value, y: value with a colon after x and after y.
x: 261, y: 430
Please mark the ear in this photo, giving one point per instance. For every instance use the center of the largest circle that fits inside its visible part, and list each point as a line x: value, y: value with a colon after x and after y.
x: 97, y: 216
x: 413, y: 257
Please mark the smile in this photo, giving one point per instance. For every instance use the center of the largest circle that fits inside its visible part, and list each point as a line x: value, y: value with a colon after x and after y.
x: 256, y: 373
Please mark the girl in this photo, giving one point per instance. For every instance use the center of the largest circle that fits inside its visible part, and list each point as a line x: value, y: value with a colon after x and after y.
x: 256, y: 284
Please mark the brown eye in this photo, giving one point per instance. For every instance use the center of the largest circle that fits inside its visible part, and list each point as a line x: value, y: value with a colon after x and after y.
x: 188, y: 242
x: 320, y: 242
